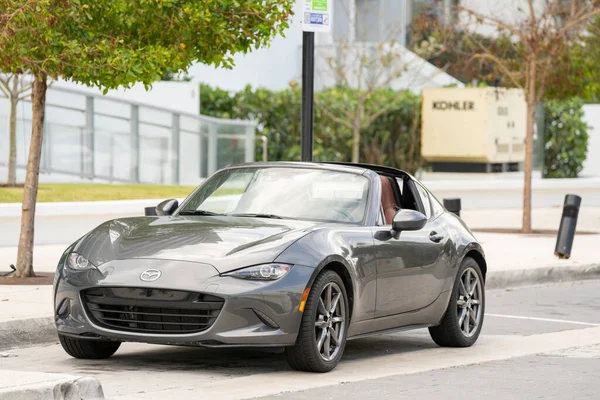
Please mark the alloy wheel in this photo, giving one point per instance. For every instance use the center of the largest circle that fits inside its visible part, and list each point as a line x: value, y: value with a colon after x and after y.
x: 469, y: 302
x: 330, y: 328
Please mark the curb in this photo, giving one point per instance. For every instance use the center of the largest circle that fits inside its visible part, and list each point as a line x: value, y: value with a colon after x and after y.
x: 45, y: 386
x: 37, y: 331
x: 27, y: 332
x: 504, y: 279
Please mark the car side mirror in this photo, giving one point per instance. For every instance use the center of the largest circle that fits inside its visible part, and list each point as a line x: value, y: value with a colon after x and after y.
x: 167, y: 207
x: 408, y: 220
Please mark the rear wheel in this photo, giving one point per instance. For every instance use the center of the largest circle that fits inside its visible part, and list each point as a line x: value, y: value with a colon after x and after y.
x: 322, y: 336
x: 463, y: 320
x: 88, y: 349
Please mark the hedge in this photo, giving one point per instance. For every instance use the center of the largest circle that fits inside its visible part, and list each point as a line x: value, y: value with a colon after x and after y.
x: 565, y: 137
x: 393, y: 139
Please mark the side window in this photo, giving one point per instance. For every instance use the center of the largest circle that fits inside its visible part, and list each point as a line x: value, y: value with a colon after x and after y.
x: 424, y: 199
x: 408, y: 198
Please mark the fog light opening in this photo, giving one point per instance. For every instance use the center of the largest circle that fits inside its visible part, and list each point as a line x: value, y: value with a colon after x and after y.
x: 64, y: 309
x: 266, y: 320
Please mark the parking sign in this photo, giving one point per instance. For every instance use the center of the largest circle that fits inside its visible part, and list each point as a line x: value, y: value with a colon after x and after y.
x: 317, y: 15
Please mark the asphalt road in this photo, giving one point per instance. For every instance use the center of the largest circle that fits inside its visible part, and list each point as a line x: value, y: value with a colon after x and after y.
x: 538, y: 342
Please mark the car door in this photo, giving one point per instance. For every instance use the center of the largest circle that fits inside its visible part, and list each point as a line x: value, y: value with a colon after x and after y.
x: 410, y: 266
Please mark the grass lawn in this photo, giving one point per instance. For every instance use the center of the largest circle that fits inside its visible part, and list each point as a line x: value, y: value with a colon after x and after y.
x: 53, y: 192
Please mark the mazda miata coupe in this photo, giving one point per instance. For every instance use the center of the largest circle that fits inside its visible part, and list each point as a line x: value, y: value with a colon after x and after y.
x: 302, y: 256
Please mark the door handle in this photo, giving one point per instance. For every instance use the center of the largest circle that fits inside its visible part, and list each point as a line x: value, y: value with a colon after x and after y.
x: 436, y: 237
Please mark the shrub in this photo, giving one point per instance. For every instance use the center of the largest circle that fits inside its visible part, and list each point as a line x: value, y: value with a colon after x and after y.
x: 393, y: 139
x: 566, y: 138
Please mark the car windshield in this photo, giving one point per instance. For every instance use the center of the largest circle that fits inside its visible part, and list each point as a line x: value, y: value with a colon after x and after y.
x: 282, y: 192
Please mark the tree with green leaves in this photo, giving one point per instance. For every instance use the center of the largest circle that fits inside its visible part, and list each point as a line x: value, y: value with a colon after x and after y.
x: 117, y: 43
x: 575, y: 73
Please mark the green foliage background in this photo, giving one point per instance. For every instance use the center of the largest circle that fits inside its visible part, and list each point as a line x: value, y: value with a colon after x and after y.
x: 566, y: 138
x: 394, y: 139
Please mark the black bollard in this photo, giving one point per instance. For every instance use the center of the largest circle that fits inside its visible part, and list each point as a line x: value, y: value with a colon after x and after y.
x: 568, y: 222
x: 453, y: 205
x: 148, y: 211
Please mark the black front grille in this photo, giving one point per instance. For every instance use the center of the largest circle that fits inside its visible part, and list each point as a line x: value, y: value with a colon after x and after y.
x: 151, y: 310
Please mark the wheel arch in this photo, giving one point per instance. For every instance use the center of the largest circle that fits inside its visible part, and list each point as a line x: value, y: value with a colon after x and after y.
x: 338, y: 265
x: 477, y: 255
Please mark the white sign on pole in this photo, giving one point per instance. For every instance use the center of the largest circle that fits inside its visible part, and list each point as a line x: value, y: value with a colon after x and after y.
x: 316, y: 15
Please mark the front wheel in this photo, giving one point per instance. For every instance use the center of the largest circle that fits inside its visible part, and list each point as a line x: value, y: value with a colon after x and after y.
x: 88, y: 349
x: 322, y: 336
x: 463, y: 320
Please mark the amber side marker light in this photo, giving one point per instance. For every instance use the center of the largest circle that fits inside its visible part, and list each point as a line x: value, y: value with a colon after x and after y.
x: 303, y: 301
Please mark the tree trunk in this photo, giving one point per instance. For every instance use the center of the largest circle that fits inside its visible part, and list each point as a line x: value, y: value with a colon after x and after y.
x: 25, y: 252
x: 358, y: 118
x: 12, y: 128
x: 531, y: 104
x: 355, y: 143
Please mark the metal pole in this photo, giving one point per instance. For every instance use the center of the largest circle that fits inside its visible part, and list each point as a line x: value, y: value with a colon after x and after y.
x: 135, y: 143
x: 265, y: 147
x: 250, y: 149
x: 308, y: 83
x: 213, y: 149
x: 82, y: 148
x: 201, y: 159
x: 164, y: 144
x: 175, y: 153
x: 90, y: 140
x: 112, y: 158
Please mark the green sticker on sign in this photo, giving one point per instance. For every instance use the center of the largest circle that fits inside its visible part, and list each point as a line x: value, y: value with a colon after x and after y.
x: 319, y: 5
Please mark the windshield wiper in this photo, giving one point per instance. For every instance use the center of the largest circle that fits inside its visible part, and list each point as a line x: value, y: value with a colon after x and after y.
x: 198, y: 212
x: 273, y: 216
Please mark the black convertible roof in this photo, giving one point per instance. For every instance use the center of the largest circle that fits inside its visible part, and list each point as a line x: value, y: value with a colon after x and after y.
x: 339, y: 166
x: 376, y: 168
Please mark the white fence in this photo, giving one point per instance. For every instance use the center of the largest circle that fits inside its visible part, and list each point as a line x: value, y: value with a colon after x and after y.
x: 591, y: 167
x: 97, y: 138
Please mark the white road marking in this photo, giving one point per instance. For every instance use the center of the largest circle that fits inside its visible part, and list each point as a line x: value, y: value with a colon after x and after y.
x: 562, y: 321
x: 487, y: 349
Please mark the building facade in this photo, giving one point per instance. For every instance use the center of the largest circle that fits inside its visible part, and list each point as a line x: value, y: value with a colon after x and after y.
x: 357, y: 24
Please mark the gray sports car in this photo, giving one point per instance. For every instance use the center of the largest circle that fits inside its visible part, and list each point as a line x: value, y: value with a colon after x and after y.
x: 303, y: 256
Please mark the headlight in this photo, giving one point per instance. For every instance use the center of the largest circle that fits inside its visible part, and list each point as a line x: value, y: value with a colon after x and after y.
x: 265, y: 272
x: 77, y: 262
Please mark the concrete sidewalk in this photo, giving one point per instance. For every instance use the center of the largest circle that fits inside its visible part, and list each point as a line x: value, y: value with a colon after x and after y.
x: 541, y: 219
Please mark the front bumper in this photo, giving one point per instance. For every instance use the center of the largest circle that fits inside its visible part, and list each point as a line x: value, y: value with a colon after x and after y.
x: 237, y: 324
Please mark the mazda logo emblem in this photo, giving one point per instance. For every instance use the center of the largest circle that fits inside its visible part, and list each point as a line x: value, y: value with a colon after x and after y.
x: 150, y: 275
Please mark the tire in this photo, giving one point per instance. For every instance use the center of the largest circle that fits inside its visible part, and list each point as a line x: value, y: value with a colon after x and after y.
x: 306, y: 355
x: 88, y: 349
x: 450, y: 332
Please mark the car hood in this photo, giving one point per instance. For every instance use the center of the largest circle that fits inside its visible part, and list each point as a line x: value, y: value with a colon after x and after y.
x: 226, y: 243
